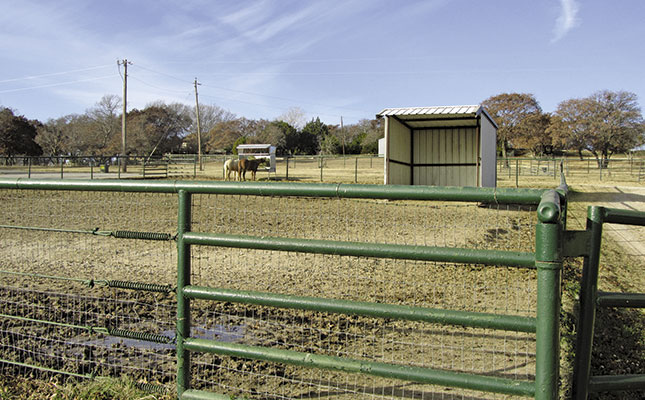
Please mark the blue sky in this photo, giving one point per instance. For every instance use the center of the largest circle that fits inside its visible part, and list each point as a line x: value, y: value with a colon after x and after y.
x: 331, y: 58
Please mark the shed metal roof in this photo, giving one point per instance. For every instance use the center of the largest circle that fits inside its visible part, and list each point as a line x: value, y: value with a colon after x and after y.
x: 427, y: 117
x: 254, y: 146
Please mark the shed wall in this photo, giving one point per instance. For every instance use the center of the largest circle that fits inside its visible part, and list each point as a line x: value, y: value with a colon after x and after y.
x: 399, y: 143
x: 445, y: 157
x: 488, y: 172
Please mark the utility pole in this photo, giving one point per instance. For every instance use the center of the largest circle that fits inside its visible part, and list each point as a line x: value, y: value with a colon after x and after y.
x: 123, y: 157
x: 342, y: 132
x: 199, y: 129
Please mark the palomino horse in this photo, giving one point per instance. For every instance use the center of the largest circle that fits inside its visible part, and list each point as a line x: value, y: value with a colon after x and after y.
x: 250, y: 165
x: 235, y: 167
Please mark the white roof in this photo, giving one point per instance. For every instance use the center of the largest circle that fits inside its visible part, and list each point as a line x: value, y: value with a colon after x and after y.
x: 423, y: 117
x: 254, y: 146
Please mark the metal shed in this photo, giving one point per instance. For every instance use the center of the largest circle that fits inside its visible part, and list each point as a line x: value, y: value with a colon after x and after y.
x: 440, y: 146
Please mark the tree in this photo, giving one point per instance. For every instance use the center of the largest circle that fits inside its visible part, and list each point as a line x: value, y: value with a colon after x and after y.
x: 105, y: 123
x: 311, y: 136
x: 17, y: 135
x: 569, y: 125
x: 541, y: 141
x: 363, y: 136
x: 604, y: 123
x: 513, y: 113
x: 53, y: 136
x: 295, y: 116
x: 209, y: 116
x: 239, y: 141
x: 284, y: 136
x: 157, y: 129
x: 330, y: 144
x: 224, y: 134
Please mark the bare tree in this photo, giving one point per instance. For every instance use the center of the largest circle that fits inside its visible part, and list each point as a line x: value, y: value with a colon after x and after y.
x: 105, y: 122
x: 295, y: 116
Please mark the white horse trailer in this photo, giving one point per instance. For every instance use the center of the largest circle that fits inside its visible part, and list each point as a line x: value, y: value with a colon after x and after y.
x: 265, y: 151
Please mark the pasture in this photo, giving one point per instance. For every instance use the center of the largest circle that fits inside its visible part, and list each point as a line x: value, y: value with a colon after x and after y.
x: 64, y: 261
x: 365, y: 169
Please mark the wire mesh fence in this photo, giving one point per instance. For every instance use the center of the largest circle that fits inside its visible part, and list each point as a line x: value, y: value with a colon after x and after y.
x: 364, y: 169
x: 79, y: 267
x: 475, y: 288
x: 532, y: 171
x: 58, y: 263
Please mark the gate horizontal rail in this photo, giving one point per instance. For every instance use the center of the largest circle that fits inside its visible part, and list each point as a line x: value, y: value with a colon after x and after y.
x: 380, y: 310
x: 406, y: 373
x: 358, y: 249
x: 390, y: 192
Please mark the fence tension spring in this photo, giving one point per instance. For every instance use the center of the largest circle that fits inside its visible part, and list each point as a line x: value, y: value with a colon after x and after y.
x: 146, y: 287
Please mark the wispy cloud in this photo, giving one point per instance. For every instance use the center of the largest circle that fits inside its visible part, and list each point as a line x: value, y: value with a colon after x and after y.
x: 567, y: 20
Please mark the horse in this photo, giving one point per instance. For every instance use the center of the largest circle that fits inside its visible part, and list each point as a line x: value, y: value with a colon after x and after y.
x: 250, y: 165
x: 235, y: 167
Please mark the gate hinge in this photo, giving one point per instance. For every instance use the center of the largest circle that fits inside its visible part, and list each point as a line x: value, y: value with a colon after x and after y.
x: 576, y: 243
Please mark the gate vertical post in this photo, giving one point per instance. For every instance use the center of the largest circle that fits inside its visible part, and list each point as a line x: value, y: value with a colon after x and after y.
x: 183, y: 304
x: 587, y: 314
x: 548, y: 261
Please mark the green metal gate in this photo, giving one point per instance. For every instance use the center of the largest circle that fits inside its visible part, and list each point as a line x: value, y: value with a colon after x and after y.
x: 589, y: 243
x: 546, y: 261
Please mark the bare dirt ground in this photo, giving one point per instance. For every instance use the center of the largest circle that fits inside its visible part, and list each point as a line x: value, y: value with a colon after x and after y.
x: 630, y: 238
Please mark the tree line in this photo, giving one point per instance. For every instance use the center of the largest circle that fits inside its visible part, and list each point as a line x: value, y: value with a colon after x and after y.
x: 603, y: 124
x: 162, y: 128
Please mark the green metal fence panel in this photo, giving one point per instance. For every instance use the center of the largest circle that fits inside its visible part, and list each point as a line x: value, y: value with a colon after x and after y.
x: 197, y: 205
x: 591, y: 298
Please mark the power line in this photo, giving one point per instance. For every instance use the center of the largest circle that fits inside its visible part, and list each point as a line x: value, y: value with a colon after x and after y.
x: 164, y: 74
x: 277, y: 107
x: 298, y: 101
x: 31, y: 77
x: 57, y: 84
x: 158, y: 87
x: 283, y: 98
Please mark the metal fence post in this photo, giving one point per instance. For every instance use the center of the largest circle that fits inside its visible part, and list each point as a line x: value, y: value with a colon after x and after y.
x: 287, y: 174
x: 356, y: 171
x: 183, y: 303
x: 548, y: 261
x: 29, y: 173
x: 587, y: 314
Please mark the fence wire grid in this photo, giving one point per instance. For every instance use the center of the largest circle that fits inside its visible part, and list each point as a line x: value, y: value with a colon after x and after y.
x: 59, y: 255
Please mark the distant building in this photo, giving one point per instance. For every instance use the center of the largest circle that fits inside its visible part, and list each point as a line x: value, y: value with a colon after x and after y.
x: 381, y: 147
x: 266, y: 151
x: 440, y: 146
